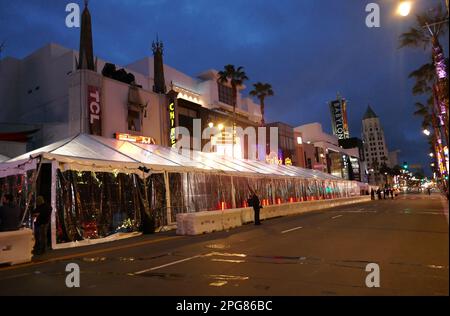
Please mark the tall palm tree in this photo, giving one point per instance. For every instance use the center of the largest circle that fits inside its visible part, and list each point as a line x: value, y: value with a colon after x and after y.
x: 262, y: 91
x: 430, y: 27
x: 236, y: 78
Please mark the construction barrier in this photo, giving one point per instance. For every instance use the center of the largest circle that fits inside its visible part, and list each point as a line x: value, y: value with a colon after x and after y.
x: 207, y: 222
x: 16, y: 246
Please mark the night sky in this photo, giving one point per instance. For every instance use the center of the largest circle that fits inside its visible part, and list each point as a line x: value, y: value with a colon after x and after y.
x: 307, y: 49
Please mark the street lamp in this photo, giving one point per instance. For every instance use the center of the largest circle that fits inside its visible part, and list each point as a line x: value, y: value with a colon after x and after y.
x: 404, y: 8
x: 431, y: 155
x: 426, y: 132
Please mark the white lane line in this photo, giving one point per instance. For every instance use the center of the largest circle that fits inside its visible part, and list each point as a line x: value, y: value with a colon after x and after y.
x: 167, y: 265
x: 337, y: 216
x: 360, y: 211
x: 290, y: 230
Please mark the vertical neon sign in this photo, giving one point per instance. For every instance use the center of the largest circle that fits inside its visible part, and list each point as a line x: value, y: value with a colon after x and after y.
x: 172, y: 136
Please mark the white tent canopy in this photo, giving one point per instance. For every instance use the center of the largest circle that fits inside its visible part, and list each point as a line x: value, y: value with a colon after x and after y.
x: 3, y: 158
x: 93, y: 151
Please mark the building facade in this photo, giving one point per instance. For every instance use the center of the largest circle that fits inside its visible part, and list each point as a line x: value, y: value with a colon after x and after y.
x: 59, y: 92
x: 329, y: 156
x: 287, y: 154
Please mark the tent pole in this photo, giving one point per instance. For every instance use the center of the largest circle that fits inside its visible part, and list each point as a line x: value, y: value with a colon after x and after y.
x: 33, y: 189
x: 168, y: 202
x: 53, y: 203
x: 233, y: 194
x: 274, y: 198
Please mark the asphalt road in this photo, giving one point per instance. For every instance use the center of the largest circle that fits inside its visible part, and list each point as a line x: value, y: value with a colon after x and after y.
x: 319, y: 253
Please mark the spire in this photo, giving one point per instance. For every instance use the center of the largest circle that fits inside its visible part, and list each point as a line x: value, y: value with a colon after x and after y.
x: 86, y: 55
x: 158, y: 67
x: 369, y: 113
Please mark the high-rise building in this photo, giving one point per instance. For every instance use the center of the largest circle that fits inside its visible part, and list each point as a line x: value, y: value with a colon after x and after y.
x: 376, y: 151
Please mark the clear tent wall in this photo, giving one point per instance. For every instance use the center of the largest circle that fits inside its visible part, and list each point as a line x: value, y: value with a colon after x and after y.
x: 97, y: 186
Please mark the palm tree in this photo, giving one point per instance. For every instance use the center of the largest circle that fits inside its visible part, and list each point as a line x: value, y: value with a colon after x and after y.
x: 424, y: 79
x: 261, y: 91
x: 375, y: 167
x: 236, y: 78
x: 430, y: 26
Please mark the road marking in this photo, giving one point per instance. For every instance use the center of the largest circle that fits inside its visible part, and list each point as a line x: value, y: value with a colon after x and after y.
x: 337, y: 216
x: 15, y: 276
x: 167, y: 265
x: 361, y: 211
x: 89, y: 253
x: 290, y: 230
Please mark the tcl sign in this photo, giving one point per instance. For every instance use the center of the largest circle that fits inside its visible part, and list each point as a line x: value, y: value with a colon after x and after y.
x: 95, y: 111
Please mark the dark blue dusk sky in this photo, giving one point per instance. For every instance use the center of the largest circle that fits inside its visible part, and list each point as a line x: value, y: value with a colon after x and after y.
x: 307, y: 49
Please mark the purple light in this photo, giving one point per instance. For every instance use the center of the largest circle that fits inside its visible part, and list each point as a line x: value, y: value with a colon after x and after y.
x: 439, y: 62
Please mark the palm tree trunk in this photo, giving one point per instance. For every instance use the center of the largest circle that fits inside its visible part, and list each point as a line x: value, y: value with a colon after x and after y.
x: 263, y: 122
x: 441, y: 88
x: 439, y: 59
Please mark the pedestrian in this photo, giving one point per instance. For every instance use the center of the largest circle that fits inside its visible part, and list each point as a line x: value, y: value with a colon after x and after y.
x: 42, y: 213
x: 255, y: 203
x: 384, y: 193
x: 429, y: 191
x: 392, y: 193
x: 379, y: 193
x: 9, y: 214
x: 372, y: 194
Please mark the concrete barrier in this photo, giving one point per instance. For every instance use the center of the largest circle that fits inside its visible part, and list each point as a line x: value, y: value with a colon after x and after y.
x: 207, y: 222
x: 16, y: 246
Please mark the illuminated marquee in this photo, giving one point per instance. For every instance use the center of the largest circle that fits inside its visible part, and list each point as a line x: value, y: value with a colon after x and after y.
x: 339, y: 121
x: 172, y: 136
x: 136, y: 139
x: 273, y: 159
x: 288, y: 162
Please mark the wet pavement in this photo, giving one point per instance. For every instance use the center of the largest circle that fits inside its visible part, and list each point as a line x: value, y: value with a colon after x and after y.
x: 319, y: 253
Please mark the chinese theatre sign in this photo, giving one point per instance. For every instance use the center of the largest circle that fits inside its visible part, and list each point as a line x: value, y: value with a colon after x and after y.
x: 135, y: 138
x: 172, y: 123
x: 94, y: 111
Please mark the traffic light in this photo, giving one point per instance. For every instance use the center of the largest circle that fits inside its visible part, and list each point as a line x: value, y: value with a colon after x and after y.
x: 405, y: 165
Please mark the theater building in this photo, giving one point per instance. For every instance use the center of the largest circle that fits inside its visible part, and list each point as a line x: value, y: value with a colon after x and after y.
x: 61, y: 92
x: 329, y: 155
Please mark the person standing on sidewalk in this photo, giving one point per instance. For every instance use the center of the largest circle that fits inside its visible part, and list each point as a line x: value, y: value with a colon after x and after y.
x: 42, y: 213
x: 255, y: 203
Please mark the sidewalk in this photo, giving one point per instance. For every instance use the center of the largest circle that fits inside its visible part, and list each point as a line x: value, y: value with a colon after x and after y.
x: 68, y: 253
